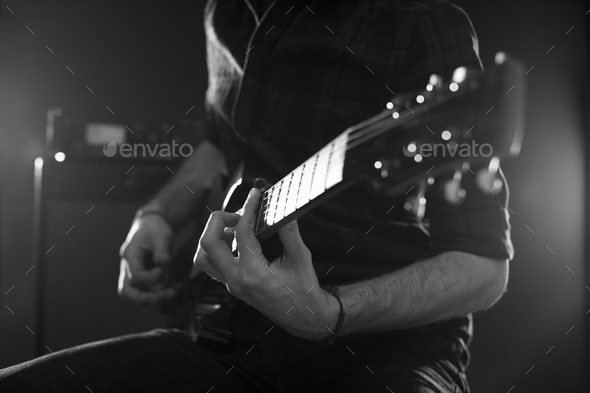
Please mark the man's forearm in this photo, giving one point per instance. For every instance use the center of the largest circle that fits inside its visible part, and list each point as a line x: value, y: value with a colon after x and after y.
x: 450, y: 284
x: 178, y: 200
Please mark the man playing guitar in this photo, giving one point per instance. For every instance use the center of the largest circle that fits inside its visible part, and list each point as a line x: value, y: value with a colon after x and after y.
x: 389, y: 280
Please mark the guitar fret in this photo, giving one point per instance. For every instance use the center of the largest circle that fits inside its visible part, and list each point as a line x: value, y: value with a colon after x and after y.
x: 293, y: 191
x: 280, y: 207
x: 276, y: 198
x: 275, y: 201
x: 319, y: 174
x: 282, y: 204
x: 272, y: 202
x: 266, y: 209
x: 261, y: 212
x: 305, y: 188
x: 336, y: 161
x: 258, y: 218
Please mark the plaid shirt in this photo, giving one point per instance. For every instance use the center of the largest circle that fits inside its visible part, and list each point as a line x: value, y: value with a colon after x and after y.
x: 285, y: 79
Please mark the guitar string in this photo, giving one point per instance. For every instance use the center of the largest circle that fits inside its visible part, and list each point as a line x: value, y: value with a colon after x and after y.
x: 432, y: 100
x: 377, y: 129
x: 384, y: 124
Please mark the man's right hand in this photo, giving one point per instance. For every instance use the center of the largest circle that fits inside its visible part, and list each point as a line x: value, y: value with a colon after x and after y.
x: 145, y: 257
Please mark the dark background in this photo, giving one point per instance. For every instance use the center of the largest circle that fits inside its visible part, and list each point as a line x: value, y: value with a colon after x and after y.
x: 145, y: 60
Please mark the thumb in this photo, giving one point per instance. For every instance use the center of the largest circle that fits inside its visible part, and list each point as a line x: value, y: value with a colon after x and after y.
x: 293, y: 244
x: 161, y: 253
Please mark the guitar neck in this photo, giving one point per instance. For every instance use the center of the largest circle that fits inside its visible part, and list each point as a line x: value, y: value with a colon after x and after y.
x: 319, y: 177
x: 451, y: 109
x: 289, y: 197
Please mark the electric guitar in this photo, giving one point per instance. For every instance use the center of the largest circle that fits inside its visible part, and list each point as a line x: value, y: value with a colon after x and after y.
x: 392, y: 153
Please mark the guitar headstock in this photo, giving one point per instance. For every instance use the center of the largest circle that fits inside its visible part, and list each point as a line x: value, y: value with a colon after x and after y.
x: 473, y: 119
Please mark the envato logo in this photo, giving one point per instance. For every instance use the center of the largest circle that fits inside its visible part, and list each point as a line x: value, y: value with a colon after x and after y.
x: 447, y: 149
x: 163, y: 150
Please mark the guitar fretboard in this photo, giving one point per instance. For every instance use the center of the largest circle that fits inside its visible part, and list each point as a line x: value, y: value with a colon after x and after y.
x: 305, y: 183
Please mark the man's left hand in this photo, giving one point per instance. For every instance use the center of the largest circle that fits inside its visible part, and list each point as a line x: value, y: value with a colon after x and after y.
x: 286, y: 291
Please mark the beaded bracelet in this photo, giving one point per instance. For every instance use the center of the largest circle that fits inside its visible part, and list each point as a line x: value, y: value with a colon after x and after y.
x: 334, y: 290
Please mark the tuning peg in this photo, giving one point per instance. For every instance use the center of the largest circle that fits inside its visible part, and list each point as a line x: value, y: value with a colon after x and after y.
x: 487, y: 178
x: 415, y: 203
x: 434, y: 82
x: 488, y: 182
x: 453, y: 191
x: 459, y: 75
x: 382, y: 166
x: 494, y: 165
x: 500, y: 58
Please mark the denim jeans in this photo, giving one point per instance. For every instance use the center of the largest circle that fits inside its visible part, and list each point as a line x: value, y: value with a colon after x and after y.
x: 262, y: 358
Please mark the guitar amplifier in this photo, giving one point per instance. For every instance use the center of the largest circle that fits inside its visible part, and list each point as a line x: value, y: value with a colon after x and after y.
x: 156, y: 141
x: 84, y: 206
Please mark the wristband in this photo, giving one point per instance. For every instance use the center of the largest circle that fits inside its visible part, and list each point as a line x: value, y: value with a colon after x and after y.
x: 334, y: 291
